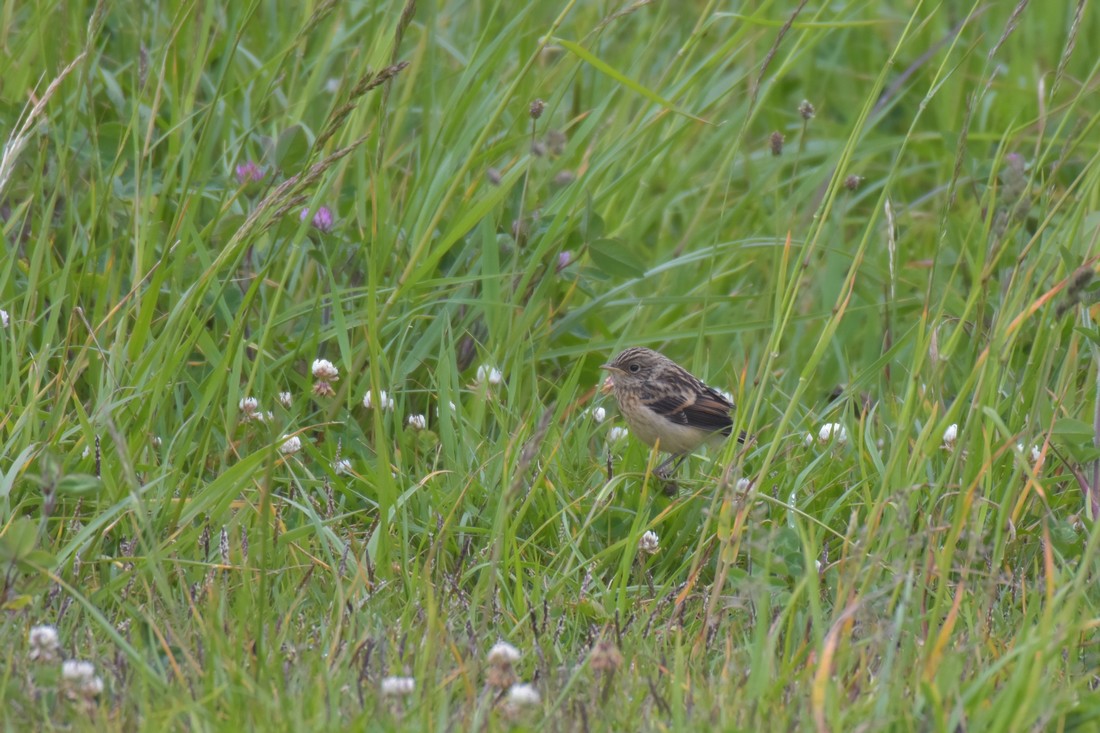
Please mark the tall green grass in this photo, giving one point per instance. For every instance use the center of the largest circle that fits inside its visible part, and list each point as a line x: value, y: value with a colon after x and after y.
x: 918, y: 252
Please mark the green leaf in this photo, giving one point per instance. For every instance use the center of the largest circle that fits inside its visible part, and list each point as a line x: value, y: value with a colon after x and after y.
x: 1092, y: 334
x: 1091, y: 223
x: 18, y: 541
x: 583, y: 53
x: 1070, y: 260
x: 40, y: 559
x: 17, y: 603
x: 592, y: 226
x: 592, y: 609
x: 227, y: 226
x: 7, y: 480
x: 608, y: 255
x: 1066, y: 540
x: 1073, y: 431
x: 292, y: 148
x: 79, y: 483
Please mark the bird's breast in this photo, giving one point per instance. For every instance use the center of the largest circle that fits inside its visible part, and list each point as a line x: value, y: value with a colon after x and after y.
x: 650, y: 427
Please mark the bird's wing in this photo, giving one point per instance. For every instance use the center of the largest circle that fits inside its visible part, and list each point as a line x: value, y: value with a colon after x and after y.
x: 705, y: 410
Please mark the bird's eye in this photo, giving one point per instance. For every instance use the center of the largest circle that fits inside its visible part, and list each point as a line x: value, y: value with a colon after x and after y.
x: 635, y: 367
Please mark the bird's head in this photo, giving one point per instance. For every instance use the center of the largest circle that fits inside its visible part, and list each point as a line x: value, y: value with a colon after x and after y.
x: 636, y: 366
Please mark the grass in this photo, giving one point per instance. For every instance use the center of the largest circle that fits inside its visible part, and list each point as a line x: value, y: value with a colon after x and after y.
x: 919, y: 254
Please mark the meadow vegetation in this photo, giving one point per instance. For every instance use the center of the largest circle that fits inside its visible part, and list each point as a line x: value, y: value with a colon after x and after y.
x: 303, y: 311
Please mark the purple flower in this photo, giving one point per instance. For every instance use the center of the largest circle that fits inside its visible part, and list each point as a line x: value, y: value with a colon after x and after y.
x: 565, y: 258
x: 322, y: 219
x: 249, y: 172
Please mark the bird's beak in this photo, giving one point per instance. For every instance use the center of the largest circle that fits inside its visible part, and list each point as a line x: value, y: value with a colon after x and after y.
x: 610, y: 368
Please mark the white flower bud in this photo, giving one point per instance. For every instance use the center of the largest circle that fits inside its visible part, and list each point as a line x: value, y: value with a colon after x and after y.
x: 649, y: 543
x: 398, y: 686
x: 615, y: 434
x: 489, y: 375
x: 832, y: 431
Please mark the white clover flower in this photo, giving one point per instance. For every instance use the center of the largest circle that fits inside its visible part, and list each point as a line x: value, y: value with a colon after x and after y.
x: 286, y: 399
x: 249, y: 406
x: 342, y: 466
x: 44, y: 642
x: 76, y: 670
x: 615, y: 434
x: 324, y: 369
x: 503, y: 653
x: 598, y: 414
x: 743, y: 485
x: 649, y: 543
x: 417, y: 422
x: 5, y: 319
x: 79, y: 679
x: 489, y: 375
x: 950, y: 435
x: 809, y: 439
x: 92, y: 687
x: 398, y: 686
x: 832, y: 431
x: 291, y: 444
x: 385, y: 402
x: 1036, y: 454
x: 523, y: 695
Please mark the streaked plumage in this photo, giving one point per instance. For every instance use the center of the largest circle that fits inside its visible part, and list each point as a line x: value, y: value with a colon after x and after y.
x: 664, y: 404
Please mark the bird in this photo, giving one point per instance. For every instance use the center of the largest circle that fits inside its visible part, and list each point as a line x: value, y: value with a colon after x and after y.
x: 667, y: 406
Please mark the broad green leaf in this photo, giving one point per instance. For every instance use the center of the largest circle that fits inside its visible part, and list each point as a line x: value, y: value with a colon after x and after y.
x: 18, y: 541
x: 1073, y: 431
x: 291, y: 149
x: 609, y: 256
x: 79, y: 483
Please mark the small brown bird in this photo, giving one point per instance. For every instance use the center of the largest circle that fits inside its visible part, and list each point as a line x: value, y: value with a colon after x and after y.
x: 665, y: 405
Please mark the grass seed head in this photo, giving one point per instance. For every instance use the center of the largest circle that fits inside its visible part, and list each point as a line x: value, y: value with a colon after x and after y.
x: 776, y: 142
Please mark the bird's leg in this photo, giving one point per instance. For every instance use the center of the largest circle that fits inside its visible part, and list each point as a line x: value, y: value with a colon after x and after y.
x: 664, y: 472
